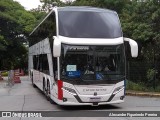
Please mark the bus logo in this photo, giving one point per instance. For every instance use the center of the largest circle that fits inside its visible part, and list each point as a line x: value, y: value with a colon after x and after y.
x: 79, y: 48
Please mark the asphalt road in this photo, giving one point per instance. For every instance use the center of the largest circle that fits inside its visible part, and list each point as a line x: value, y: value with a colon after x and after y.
x: 23, y: 97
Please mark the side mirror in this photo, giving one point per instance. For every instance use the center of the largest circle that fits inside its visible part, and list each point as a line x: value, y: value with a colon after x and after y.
x: 134, y: 46
x: 56, y: 47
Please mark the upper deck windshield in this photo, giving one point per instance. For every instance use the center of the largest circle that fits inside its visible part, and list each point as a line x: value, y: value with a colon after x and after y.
x: 89, y: 24
x: 92, y: 64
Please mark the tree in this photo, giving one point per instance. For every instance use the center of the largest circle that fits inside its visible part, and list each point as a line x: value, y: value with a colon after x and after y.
x: 142, y: 25
x: 16, y: 23
x: 48, y: 4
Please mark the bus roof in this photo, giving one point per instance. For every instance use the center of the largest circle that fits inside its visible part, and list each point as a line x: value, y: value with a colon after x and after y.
x: 83, y: 8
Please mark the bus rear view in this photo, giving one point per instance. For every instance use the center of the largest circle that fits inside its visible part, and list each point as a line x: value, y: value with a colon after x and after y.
x: 92, y: 57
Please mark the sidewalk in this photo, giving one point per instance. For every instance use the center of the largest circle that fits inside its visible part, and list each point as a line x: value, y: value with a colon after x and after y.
x: 4, y: 82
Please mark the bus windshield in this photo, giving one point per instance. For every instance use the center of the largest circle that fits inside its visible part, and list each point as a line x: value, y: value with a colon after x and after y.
x: 89, y: 24
x: 92, y: 64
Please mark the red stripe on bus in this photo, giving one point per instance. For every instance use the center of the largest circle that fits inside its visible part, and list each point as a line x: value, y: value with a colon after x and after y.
x: 60, y: 91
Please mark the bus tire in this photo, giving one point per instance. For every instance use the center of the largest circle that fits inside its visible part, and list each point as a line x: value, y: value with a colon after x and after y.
x: 44, y: 87
x: 52, y: 102
x: 32, y: 81
x: 48, y: 91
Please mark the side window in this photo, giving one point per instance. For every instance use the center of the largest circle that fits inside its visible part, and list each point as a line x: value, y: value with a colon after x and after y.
x: 51, y: 25
x: 55, y: 68
x: 35, y: 62
x: 45, y: 65
x: 41, y: 63
x: 38, y: 62
x: 44, y: 30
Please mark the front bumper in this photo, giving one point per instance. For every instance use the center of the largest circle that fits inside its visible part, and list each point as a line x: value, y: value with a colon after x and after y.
x: 69, y: 99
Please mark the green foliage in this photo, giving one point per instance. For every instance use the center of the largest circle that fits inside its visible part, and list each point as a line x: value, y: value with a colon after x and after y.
x: 2, y: 43
x: 38, y: 14
x: 152, y: 80
x: 150, y: 74
x: 15, y: 25
x: 48, y: 4
x: 4, y: 73
x: 141, y: 87
x: 135, y: 86
x: 25, y: 20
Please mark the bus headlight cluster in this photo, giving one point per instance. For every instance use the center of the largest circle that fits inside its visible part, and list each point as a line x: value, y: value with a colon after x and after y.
x: 69, y: 90
x: 118, y: 89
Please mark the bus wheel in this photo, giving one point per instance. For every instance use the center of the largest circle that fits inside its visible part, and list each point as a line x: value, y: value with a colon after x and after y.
x: 44, y: 87
x: 48, y: 91
x: 48, y: 95
x: 32, y: 81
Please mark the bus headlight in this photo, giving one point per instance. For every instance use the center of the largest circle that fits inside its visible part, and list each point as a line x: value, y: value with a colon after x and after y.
x: 69, y: 90
x: 118, y: 89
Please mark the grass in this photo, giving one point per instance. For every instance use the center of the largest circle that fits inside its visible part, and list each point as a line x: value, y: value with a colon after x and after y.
x: 134, y: 86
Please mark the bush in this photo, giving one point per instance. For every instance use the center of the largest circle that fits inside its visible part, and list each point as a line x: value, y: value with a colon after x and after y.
x: 141, y: 87
x: 134, y: 86
x: 151, y: 74
x: 4, y: 73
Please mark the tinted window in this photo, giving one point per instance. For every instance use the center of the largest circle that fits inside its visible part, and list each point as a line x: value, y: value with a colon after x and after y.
x: 46, y: 29
x: 45, y: 65
x: 94, y: 64
x: 35, y: 62
x: 82, y: 24
x: 55, y: 67
x: 40, y: 62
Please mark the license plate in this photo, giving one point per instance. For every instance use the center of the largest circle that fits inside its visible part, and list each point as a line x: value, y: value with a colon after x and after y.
x: 95, y: 99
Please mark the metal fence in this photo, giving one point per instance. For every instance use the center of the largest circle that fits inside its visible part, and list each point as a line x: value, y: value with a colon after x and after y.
x: 146, y: 73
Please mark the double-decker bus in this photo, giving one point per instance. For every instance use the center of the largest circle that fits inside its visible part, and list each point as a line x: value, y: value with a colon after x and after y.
x: 77, y: 56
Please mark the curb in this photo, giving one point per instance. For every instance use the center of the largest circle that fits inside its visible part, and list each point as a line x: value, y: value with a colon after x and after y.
x: 147, y: 94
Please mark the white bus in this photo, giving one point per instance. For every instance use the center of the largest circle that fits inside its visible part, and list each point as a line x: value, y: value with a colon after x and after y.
x: 77, y: 56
